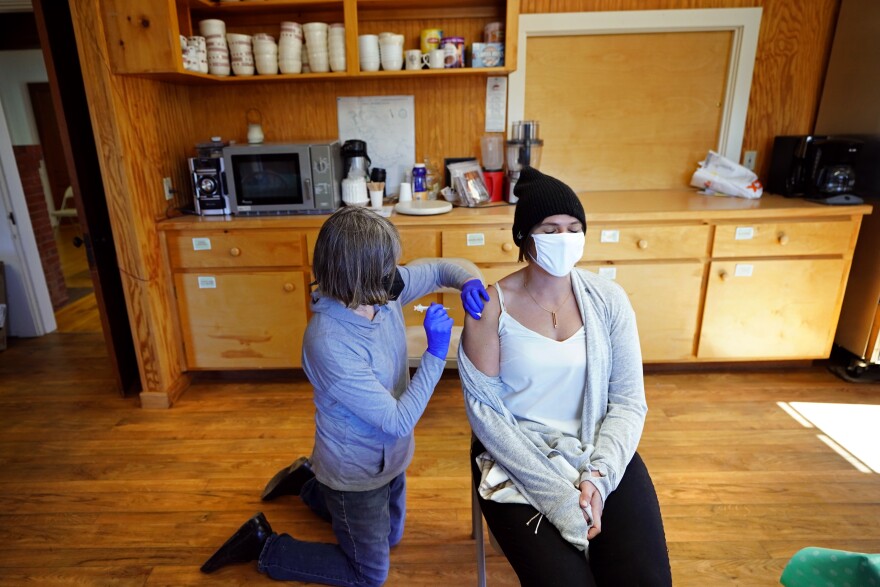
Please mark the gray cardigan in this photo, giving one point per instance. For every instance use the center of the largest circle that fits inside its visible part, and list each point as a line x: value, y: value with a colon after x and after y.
x: 611, y: 423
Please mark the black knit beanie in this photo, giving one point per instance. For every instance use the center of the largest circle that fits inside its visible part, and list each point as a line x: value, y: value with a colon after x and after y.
x: 541, y: 196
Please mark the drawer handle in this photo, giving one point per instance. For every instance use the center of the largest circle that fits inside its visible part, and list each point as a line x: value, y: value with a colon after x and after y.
x: 507, y: 247
x: 783, y: 239
x: 289, y: 287
x: 643, y: 244
x: 724, y: 275
x: 235, y: 251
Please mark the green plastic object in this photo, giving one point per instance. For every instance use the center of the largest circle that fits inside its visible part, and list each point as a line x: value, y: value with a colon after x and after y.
x: 824, y: 567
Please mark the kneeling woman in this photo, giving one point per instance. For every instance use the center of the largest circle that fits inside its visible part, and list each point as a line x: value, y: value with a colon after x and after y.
x: 552, y: 376
x: 366, y: 406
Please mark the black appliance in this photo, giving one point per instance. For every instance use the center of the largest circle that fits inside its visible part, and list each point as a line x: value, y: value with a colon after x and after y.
x: 210, y: 194
x: 828, y: 169
x: 354, y: 156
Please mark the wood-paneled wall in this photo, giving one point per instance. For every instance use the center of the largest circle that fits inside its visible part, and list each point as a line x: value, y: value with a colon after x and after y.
x: 793, y: 49
x: 146, y: 128
x: 141, y: 127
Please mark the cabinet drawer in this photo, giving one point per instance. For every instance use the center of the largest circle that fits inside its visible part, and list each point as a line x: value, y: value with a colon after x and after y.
x: 481, y: 245
x: 611, y: 243
x: 414, y: 244
x: 236, y: 248
x: 831, y: 237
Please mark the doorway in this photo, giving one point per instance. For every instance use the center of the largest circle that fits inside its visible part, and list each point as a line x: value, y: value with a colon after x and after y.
x: 79, y: 313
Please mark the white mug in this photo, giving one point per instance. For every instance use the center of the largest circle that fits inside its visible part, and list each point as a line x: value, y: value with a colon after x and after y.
x: 437, y: 59
x: 414, y: 59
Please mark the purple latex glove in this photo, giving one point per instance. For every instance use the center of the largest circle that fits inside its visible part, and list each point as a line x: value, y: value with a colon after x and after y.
x: 438, y: 328
x: 472, y: 295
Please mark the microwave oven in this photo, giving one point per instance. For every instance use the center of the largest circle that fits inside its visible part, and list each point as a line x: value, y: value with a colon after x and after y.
x: 284, y: 178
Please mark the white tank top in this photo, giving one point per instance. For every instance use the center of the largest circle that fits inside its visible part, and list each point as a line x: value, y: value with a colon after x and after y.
x: 546, y: 377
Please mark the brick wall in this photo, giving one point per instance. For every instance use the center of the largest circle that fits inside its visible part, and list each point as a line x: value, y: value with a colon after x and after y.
x: 28, y: 158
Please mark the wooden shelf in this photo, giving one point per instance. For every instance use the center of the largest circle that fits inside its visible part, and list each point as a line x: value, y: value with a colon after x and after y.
x: 140, y: 44
x: 192, y: 78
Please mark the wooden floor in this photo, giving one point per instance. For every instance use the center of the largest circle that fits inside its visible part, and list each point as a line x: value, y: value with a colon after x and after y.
x: 96, y: 491
x: 81, y: 313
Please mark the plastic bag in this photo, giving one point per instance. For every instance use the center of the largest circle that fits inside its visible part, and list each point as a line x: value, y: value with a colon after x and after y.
x: 467, y: 180
x: 720, y: 175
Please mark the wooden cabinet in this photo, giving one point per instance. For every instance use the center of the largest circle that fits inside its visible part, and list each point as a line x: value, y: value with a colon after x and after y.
x: 242, y: 297
x: 774, y: 289
x: 666, y: 300
x: 661, y: 269
x: 710, y: 279
x: 142, y: 35
x: 771, y: 309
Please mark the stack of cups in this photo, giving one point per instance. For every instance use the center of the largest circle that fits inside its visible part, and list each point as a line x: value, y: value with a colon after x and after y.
x: 290, y: 48
x: 391, y: 51
x: 368, y: 52
x: 242, y: 52
x: 183, y: 50
x: 305, y: 61
x: 336, y: 46
x: 316, y: 34
x: 195, y: 58
x: 265, y: 54
x: 214, y: 32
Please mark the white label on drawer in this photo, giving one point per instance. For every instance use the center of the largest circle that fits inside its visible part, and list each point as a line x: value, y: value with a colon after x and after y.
x: 476, y: 239
x: 744, y: 233
x: 201, y: 244
x: 609, y: 236
x: 743, y: 270
x: 207, y: 282
x: 609, y: 272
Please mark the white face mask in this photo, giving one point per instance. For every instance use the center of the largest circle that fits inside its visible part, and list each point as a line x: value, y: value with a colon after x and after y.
x: 558, y: 253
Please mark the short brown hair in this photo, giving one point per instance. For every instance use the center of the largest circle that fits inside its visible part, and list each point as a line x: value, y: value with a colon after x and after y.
x: 355, y: 252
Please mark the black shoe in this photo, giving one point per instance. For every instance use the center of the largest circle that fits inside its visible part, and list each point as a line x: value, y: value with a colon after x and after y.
x: 289, y: 480
x: 243, y: 546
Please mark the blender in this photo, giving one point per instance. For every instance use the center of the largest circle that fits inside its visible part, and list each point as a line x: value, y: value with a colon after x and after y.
x: 523, y: 150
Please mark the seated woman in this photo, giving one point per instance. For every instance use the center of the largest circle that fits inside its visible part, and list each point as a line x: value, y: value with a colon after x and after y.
x: 366, y: 405
x: 552, y: 377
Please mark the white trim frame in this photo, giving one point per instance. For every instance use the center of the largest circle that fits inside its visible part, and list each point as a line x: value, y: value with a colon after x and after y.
x: 743, y: 22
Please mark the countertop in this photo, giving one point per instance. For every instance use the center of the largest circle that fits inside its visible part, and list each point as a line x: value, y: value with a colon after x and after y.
x: 600, y: 207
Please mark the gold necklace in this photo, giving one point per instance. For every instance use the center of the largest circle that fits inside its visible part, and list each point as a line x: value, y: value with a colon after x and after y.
x: 551, y: 312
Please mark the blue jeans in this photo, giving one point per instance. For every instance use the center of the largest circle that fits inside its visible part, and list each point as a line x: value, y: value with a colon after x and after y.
x: 366, y: 523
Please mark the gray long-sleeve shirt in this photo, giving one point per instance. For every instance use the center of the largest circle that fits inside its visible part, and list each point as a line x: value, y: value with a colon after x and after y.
x: 366, y: 404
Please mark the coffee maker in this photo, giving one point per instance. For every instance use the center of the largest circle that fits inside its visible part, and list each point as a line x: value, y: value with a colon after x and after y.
x: 210, y: 193
x: 819, y: 168
x: 355, y: 161
x: 523, y: 150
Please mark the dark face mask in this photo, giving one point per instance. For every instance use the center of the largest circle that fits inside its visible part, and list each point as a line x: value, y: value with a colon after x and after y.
x: 393, y: 284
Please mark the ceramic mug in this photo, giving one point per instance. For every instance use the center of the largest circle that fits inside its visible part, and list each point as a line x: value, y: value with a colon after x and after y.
x: 436, y: 59
x: 414, y: 60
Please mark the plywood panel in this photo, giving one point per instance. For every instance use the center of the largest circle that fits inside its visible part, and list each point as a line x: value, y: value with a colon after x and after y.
x: 793, y: 49
x: 632, y: 111
x: 449, y: 112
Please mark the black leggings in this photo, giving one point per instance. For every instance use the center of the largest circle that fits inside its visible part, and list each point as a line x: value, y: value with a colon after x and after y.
x: 630, y: 550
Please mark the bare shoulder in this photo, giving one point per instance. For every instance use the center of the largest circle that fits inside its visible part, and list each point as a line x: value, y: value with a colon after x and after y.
x: 480, y: 337
x: 488, y: 321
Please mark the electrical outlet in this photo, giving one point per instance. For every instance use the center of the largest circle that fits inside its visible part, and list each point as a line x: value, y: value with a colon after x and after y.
x: 749, y: 158
x: 168, y: 187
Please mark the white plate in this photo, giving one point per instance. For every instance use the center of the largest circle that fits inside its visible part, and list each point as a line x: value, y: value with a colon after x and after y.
x: 423, y: 207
